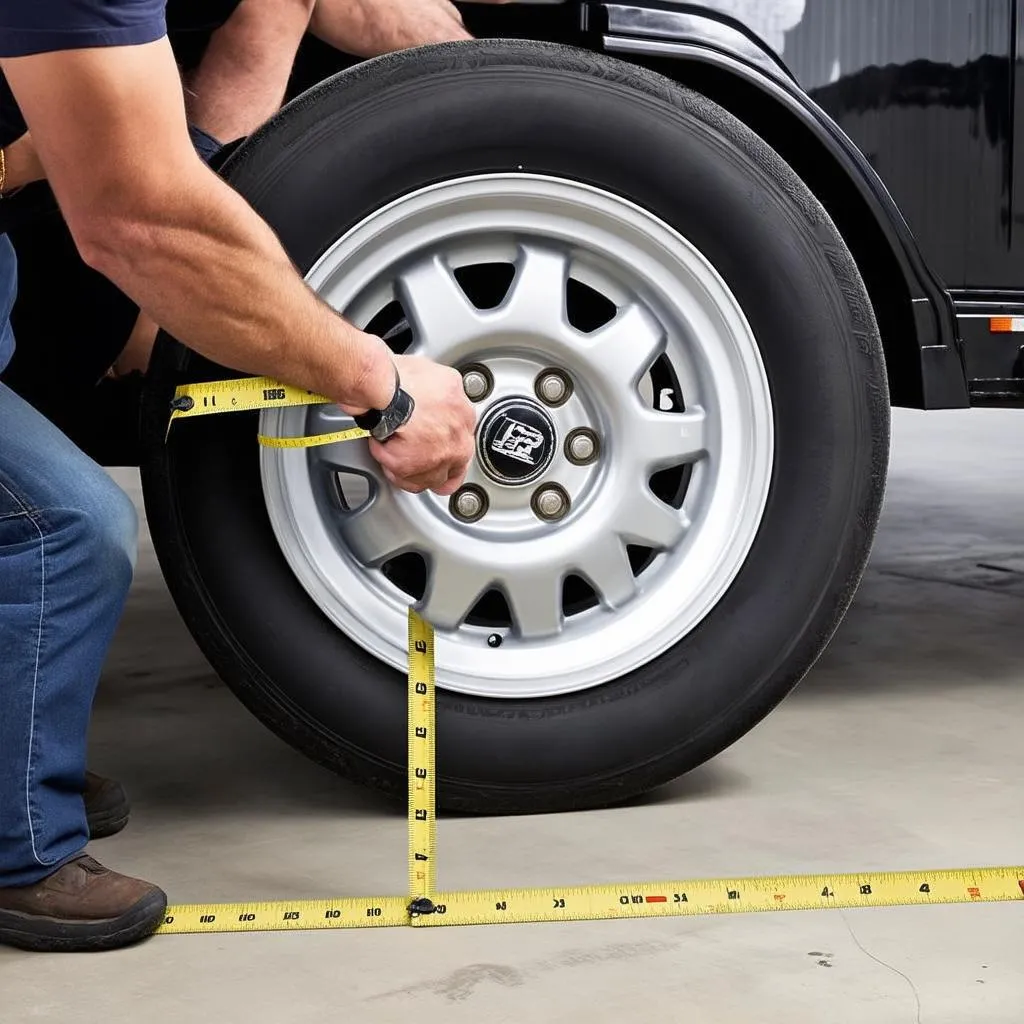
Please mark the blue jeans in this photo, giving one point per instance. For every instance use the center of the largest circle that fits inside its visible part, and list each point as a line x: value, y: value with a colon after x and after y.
x: 67, y: 554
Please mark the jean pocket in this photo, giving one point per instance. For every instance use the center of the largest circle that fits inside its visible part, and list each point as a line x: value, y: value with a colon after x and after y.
x: 12, y: 504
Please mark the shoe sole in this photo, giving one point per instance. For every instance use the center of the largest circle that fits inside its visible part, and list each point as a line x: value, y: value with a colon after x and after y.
x: 102, y: 825
x: 53, y: 935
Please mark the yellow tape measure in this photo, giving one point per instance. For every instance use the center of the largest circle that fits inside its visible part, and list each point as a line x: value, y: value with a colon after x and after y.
x: 426, y: 907
x: 679, y: 898
x: 248, y: 395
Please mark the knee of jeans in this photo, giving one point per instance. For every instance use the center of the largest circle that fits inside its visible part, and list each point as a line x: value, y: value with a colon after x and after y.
x: 111, y: 531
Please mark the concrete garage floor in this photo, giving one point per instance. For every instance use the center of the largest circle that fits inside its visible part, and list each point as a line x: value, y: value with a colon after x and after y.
x: 902, y: 749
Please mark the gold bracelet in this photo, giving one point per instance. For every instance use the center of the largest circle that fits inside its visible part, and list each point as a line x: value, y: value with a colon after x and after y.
x: 3, y: 172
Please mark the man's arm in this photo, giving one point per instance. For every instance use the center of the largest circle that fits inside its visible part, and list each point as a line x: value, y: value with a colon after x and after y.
x: 244, y: 73
x: 367, y: 28
x: 109, y: 126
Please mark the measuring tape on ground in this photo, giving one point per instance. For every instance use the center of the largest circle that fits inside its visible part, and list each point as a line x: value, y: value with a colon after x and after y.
x: 426, y: 907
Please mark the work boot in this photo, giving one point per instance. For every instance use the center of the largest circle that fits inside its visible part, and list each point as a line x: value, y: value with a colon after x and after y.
x: 82, y: 907
x: 106, y: 806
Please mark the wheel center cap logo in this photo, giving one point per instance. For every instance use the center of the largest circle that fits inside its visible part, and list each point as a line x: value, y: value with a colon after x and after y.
x: 515, y: 441
x: 518, y: 441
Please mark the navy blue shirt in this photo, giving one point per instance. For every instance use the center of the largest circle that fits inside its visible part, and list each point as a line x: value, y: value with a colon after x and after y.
x: 42, y: 26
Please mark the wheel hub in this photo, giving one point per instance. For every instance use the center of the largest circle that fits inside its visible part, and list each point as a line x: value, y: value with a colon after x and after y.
x: 516, y: 441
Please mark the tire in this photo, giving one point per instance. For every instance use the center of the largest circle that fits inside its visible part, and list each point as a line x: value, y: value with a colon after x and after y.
x: 390, y: 128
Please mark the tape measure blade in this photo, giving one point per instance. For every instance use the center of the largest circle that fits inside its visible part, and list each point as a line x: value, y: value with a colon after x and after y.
x: 422, y: 801
x: 312, y: 440
x: 286, y: 915
x: 244, y: 394
x: 724, y: 896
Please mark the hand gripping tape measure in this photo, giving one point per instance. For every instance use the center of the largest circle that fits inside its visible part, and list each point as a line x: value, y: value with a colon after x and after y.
x: 424, y: 906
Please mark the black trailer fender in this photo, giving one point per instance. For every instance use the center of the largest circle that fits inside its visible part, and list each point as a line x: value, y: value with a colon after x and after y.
x: 724, y: 60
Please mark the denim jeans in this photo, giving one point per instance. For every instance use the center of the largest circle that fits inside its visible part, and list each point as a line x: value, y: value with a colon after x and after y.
x: 67, y: 554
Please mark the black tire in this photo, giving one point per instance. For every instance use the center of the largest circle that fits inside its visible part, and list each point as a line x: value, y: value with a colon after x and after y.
x: 393, y: 125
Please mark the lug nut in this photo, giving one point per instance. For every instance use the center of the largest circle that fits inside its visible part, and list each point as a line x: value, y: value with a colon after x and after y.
x: 581, y: 447
x: 553, y: 387
x: 468, y: 503
x: 550, y: 502
x: 477, y: 383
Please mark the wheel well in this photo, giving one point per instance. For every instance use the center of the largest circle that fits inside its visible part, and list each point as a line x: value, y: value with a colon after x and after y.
x: 800, y: 148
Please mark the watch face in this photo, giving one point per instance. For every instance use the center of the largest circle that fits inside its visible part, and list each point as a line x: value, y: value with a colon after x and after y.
x: 515, y: 441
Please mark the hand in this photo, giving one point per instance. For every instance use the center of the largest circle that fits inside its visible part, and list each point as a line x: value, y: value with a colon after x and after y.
x: 432, y: 451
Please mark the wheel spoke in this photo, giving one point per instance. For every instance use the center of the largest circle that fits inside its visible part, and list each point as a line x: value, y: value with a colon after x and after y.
x: 625, y: 348
x: 536, y: 298
x: 437, y: 308
x: 451, y: 592
x: 606, y: 566
x: 325, y: 419
x: 348, y: 456
x: 643, y: 519
x: 535, y: 600
x: 664, y: 439
x: 378, y: 531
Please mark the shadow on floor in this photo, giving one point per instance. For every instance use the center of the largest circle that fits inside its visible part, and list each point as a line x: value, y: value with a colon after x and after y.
x: 709, y: 781
x: 910, y: 631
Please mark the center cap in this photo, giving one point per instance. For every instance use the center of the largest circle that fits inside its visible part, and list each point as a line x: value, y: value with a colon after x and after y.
x: 515, y: 441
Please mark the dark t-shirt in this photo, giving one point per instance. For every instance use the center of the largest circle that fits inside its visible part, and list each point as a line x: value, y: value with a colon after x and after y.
x: 42, y: 26
x: 39, y: 26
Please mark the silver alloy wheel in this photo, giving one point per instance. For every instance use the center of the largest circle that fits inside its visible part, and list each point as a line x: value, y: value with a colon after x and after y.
x: 653, y: 566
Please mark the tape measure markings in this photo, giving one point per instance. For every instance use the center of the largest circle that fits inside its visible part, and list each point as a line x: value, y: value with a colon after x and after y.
x: 313, y: 440
x: 692, y: 897
x: 243, y: 395
x: 425, y: 907
x: 286, y: 915
x: 422, y: 751
x: 249, y: 394
x: 629, y: 900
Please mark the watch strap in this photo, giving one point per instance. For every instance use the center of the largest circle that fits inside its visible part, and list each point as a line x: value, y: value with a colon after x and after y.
x: 382, y: 423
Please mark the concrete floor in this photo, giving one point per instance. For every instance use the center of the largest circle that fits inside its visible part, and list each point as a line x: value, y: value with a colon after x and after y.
x: 902, y: 749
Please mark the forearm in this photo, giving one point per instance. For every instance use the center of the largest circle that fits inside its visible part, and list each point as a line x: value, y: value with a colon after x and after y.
x: 194, y: 257
x: 368, y: 28
x: 242, y: 78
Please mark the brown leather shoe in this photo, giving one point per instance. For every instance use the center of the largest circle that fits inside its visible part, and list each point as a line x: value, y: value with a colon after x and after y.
x: 106, y: 806
x: 82, y: 907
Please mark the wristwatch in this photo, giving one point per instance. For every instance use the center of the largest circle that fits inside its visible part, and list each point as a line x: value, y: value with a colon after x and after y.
x: 382, y: 423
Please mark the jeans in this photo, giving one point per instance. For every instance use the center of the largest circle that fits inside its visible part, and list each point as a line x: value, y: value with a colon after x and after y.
x: 67, y: 554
